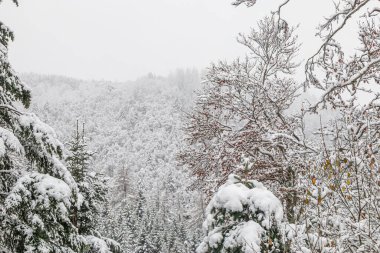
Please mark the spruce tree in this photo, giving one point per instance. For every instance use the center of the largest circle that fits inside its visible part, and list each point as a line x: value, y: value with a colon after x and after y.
x: 92, y: 186
x: 78, y: 161
x: 36, y: 189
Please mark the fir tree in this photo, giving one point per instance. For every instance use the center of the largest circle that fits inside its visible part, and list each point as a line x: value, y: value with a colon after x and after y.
x: 36, y: 189
x: 78, y: 161
x: 92, y: 187
x: 243, y: 216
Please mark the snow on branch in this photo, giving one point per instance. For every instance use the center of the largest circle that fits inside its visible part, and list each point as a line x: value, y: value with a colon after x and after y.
x: 14, y: 1
x: 346, y: 13
x: 249, y: 3
x: 331, y: 71
x: 352, y: 80
x: 374, y: 11
x: 10, y: 108
x: 9, y: 141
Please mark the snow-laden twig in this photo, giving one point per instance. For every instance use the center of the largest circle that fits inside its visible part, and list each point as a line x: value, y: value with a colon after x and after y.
x: 354, y: 78
x: 10, y: 108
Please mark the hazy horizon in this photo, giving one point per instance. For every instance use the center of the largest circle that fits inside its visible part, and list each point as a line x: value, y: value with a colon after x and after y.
x: 123, y: 40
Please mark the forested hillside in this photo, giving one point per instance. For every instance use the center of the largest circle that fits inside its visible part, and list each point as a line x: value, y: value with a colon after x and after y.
x: 134, y: 130
x: 245, y: 158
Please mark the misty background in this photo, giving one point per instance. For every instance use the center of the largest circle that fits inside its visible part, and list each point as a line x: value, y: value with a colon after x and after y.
x: 122, y: 40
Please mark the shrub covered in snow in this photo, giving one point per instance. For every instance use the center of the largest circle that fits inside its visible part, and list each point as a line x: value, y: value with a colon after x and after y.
x: 243, y: 216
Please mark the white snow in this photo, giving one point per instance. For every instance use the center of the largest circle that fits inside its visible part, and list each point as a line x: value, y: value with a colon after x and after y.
x: 48, y: 186
x: 247, y: 234
x: 233, y: 196
x: 215, y: 239
x: 9, y: 140
x: 45, y: 187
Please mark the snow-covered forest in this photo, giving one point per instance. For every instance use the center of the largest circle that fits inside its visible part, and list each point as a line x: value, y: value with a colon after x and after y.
x: 134, y: 131
x: 276, y: 151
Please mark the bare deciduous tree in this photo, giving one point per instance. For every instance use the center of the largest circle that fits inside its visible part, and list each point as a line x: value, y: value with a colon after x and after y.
x: 343, y: 78
x: 341, y: 205
x: 242, y: 111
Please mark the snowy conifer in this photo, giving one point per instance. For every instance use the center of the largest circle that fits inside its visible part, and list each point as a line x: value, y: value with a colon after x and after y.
x: 92, y: 187
x: 38, y: 219
x: 78, y: 161
x: 30, y: 154
x: 37, y: 192
x: 243, y: 216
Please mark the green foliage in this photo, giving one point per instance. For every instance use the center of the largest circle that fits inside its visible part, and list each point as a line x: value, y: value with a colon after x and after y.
x: 92, y: 185
x: 78, y: 161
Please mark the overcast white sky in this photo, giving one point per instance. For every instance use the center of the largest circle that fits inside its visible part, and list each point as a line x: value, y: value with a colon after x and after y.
x: 124, y: 39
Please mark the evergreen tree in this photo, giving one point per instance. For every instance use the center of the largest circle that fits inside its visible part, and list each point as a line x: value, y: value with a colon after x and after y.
x: 78, y: 164
x: 92, y: 187
x: 78, y: 161
x: 36, y: 189
x: 243, y: 216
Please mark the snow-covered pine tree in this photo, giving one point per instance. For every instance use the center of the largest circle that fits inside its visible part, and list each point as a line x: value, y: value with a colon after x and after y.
x: 243, y: 216
x: 37, y: 192
x: 78, y: 164
x: 36, y: 189
x: 92, y: 186
x: 78, y: 161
